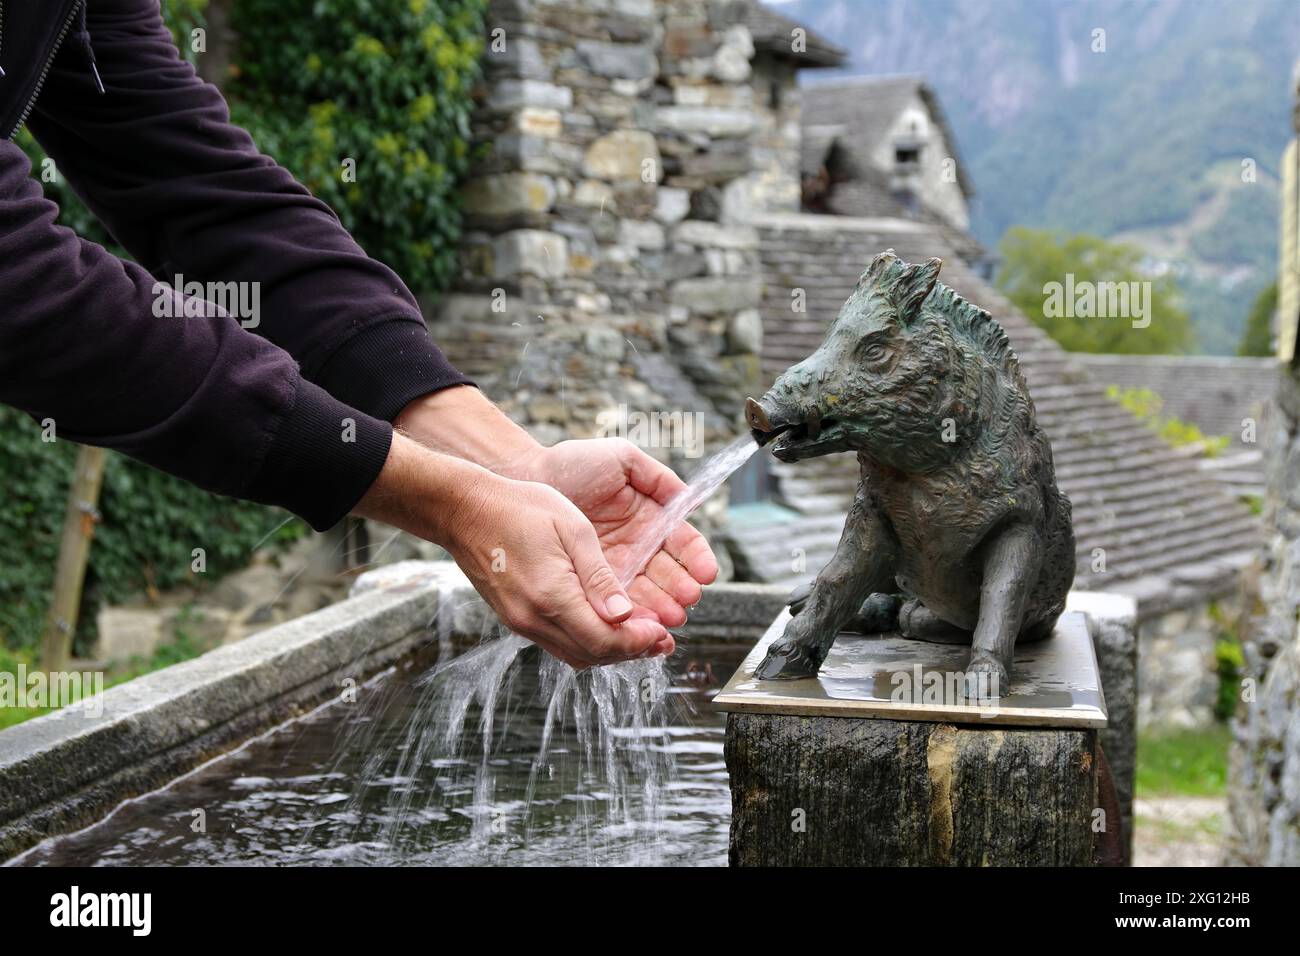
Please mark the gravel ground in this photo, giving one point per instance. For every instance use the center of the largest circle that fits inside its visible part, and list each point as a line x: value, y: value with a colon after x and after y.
x: 1179, y: 831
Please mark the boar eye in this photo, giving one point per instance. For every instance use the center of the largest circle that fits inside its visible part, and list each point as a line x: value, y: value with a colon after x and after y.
x: 874, y: 352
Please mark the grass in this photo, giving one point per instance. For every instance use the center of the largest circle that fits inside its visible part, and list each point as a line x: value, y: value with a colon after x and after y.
x: 1204, y: 829
x: 1190, y: 763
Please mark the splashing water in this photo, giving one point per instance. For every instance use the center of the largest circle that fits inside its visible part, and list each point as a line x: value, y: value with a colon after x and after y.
x: 617, y: 713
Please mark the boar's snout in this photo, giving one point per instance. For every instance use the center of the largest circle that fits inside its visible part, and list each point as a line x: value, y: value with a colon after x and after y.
x: 767, y: 425
x: 764, y: 429
x: 759, y: 424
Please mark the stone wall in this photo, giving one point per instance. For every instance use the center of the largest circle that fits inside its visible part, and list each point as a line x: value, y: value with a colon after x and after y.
x: 774, y: 183
x: 1112, y: 622
x: 1178, y: 670
x: 1264, y: 769
x: 606, y: 275
x: 1264, y: 778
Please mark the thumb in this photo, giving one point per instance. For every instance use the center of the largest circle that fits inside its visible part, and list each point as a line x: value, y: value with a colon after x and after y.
x: 599, y: 582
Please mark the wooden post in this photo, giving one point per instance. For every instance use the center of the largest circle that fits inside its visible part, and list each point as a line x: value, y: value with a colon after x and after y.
x: 882, y: 760
x: 843, y: 791
x: 78, y: 529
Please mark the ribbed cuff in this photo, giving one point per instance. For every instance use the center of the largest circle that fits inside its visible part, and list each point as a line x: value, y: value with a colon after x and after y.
x: 325, y: 457
x: 386, y: 366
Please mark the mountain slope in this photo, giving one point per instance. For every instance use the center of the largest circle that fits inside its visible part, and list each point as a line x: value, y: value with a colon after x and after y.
x: 1144, y: 139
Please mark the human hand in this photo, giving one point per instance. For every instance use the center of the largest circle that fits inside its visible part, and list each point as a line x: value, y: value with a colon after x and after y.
x: 526, y: 549
x: 618, y: 487
x: 622, y: 491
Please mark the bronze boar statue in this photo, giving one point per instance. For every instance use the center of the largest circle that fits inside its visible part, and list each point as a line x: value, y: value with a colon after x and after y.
x: 957, y: 532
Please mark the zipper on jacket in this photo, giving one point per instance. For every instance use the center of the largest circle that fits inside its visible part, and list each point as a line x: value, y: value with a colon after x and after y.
x: 49, y: 60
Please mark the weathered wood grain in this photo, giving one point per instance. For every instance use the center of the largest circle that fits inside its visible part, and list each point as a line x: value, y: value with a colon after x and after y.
x: 836, y: 791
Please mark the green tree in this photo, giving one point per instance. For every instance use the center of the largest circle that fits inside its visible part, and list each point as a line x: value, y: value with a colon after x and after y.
x: 368, y: 103
x: 1080, y: 290
x: 1257, y: 337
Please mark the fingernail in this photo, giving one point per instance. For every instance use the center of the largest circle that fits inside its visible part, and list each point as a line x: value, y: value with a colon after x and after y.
x: 618, y: 605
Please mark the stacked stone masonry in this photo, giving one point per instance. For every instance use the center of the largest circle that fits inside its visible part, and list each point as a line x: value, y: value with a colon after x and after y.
x: 606, y: 252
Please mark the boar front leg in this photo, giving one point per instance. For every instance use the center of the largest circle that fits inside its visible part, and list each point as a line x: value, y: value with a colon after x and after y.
x: 864, y: 562
x: 1011, y: 564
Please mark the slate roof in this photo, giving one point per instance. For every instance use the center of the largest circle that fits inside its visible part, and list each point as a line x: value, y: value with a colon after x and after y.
x: 773, y: 32
x: 1171, y: 536
x: 1213, y: 392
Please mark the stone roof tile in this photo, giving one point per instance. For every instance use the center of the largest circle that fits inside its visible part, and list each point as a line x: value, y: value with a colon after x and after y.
x: 774, y: 33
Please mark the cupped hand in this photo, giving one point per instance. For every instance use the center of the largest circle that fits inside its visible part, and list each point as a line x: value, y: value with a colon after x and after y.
x: 526, y: 549
x: 620, y: 489
x: 623, y: 491
x: 537, y: 561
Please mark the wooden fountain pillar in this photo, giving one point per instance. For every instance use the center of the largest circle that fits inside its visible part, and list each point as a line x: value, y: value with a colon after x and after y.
x: 878, y: 762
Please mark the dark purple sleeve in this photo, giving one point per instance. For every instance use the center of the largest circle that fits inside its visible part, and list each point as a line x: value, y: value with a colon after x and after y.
x: 156, y: 158
x: 198, y: 397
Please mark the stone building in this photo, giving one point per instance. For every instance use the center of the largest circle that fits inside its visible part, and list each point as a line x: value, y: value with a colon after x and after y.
x: 608, y: 270
x: 881, y: 146
x: 1264, y: 782
x: 610, y: 282
x: 871, y: 131
x: 782, y: 49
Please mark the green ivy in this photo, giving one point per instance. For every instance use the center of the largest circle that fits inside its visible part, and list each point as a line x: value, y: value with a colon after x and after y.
x: 150, y: 525
x: 368, y: 103
x: 1229, y: 661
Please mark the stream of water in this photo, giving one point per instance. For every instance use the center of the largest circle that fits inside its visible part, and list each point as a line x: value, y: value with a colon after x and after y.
x: 624, y: 757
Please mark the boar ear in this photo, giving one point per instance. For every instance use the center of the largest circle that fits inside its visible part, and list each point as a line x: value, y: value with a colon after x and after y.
x: 913, y: 286
x: 882, y: 270
x: 880, y: 265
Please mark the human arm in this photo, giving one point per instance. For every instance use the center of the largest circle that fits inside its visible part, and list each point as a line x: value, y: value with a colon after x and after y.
x: 184, y: 191
x: 197, y: 396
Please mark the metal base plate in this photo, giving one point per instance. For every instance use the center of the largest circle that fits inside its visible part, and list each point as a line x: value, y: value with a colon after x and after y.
x: 1055, y: 682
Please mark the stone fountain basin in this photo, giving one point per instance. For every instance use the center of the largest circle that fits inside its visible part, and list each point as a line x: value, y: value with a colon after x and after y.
x: 69, y: 769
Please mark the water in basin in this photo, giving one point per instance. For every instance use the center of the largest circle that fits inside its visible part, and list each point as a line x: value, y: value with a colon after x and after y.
x: 310, y: 792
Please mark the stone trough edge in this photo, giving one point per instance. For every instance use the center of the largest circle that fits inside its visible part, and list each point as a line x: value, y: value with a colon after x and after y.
x: 66, y: 769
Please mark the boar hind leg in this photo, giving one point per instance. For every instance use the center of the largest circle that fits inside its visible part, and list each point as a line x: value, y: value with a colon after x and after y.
x: 917, y: 622
x: 878, y: 614
x: 1011, y: 563
x: 863, y: 563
